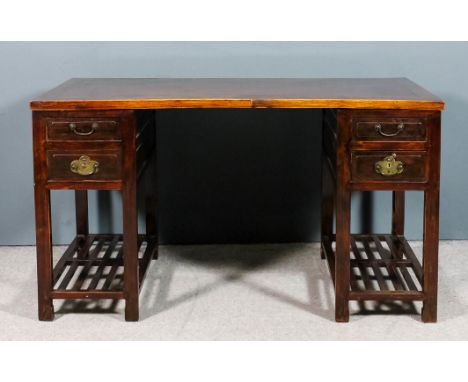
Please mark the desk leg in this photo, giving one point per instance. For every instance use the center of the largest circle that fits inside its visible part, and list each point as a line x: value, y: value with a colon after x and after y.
x: 81, y: 207
x: 398, y: 220
x: 430, y: 254
x: 151, y: 200
x: 326, y: 204
x: 130, y: 252
x: 130, y: 218
x: 342, y: 256
x: 343, y: 219
x: 431, y: 226
x: 398, y: 213
x: 44, y: 252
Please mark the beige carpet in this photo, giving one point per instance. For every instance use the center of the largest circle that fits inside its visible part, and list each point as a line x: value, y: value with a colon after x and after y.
x: 231, y: 292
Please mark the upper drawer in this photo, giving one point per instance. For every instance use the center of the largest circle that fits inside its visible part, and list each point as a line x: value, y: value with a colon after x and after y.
x: 383, y: 128
x: 83, y: 129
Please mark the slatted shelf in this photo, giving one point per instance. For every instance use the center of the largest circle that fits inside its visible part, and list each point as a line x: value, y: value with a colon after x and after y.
x: 382, y: 266
x: 92, y: 266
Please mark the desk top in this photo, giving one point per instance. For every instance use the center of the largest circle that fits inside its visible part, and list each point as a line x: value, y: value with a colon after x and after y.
x: 162, y: 93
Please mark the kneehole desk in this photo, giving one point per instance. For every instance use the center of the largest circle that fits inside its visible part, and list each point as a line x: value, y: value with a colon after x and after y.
x: 99, y: 134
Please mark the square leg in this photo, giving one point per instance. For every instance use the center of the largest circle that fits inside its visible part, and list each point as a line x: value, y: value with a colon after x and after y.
x: 342, y: 254
x: 44, y: 252
x: 327, y: 205
x: 430, y: 255
x: 398, y: 213
x: 151, y: 202
x: 81, y: 212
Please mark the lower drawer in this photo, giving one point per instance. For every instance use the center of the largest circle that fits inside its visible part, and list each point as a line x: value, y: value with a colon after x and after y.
x: 84, y: 165
x: 384, y: 166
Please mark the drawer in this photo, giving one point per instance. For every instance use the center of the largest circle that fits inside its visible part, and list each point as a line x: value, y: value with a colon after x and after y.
x: 84, y: 165
x: 83, y: 129
x: 385, y: 166
x: 384, y: 128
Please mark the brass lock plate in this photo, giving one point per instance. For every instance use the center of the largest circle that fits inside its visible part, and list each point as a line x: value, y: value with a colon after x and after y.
x: 389, y: 166
x: 84, y: 166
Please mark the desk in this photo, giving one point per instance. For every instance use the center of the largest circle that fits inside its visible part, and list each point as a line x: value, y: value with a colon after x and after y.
x: 99, y: 134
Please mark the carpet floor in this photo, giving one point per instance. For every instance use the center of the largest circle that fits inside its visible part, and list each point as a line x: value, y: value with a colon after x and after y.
x: 232, y: 292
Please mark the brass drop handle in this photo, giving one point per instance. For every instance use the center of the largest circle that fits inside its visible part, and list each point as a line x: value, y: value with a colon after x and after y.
x: 399, y: 129
x: 389, y: 166
x: 93, y: 128
x: 84, y: 166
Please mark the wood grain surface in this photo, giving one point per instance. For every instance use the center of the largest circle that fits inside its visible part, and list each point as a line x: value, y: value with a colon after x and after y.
x: 159, y: 93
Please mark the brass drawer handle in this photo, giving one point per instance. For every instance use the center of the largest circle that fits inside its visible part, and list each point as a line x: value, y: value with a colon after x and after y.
x: 93, y: 128
x: 400, y: 127
x: 84, y: 166
x: 389, y: 166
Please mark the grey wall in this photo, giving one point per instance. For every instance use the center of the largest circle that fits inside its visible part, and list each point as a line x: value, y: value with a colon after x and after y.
x: 252, y: 177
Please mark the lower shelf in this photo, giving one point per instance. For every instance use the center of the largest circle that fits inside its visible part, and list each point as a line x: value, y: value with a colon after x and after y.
x: 92, y: 267
x: 382, y: 267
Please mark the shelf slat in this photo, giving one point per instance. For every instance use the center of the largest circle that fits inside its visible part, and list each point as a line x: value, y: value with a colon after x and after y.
x: 392, y: 271
x: 98, y: 260
x: 97, y: 276
x: 396, y: 260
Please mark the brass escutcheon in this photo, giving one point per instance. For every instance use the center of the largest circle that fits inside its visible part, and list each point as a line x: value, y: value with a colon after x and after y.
x: 389, y: 166
x: 84, y: 166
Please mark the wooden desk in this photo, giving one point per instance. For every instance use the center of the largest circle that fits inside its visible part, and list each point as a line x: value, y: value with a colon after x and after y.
x: 378, y: 134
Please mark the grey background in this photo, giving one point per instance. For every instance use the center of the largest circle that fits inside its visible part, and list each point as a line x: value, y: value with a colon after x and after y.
x: 225, y: 177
